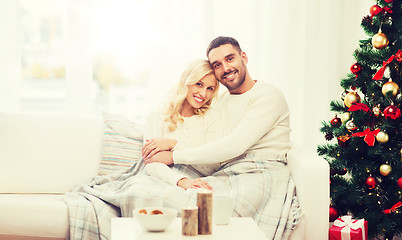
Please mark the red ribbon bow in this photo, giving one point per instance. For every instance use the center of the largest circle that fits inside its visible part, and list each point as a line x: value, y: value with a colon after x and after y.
x: 369, y: 136
x: 387, y: 9
x: 393, y: 208
x: 359, y: 106
x: 380, y: 72
x: 380, y: 10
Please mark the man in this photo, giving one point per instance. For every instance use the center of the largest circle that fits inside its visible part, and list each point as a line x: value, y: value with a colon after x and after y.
x: 255, y: 114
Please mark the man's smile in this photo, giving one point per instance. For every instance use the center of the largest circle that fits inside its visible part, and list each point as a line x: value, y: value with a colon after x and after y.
x: 229, y: 76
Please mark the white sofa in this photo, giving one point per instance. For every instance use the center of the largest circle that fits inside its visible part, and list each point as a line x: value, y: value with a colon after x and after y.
x: 43, y: 156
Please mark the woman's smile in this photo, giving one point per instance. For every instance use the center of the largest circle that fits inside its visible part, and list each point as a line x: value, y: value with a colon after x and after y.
x: 199, y: 99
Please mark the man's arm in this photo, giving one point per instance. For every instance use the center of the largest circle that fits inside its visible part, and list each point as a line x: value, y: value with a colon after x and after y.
x: 260, y: 117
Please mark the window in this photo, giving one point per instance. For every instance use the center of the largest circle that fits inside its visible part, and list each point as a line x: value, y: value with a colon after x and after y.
x: 43, y: 55
x: 109, y: 38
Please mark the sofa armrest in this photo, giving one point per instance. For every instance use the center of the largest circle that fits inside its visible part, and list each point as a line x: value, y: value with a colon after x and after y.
x: 311, y: 175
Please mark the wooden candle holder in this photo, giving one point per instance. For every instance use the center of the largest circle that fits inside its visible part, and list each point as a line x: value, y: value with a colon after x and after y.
x: 189, y: 221
x: 204, y: 203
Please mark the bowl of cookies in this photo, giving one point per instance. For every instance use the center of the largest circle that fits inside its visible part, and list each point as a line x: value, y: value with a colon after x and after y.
x: 155, y: 219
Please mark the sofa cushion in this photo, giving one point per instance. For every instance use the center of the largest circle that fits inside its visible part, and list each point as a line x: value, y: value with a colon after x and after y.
x: 122, y: 144
x: 33, y: 215
x: 44, y: 153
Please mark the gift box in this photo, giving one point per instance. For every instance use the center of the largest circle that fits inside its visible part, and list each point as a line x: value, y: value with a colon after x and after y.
x: 346, y: 228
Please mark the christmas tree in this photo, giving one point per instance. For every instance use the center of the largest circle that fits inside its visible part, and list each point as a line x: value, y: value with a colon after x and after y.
x: 364, y: 138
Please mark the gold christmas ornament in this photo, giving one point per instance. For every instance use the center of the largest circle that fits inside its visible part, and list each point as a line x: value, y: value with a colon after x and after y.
x: 345, y: 117
x: 390, y: 87
x: 401, y: 154
x: 385, y: 169
x: 382, y: 137
x: 380, y: 40
x: 343, y: 94
x: 350, y: 98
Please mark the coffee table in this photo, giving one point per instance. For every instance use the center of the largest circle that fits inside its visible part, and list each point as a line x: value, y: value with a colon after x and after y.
x: 239, y: 228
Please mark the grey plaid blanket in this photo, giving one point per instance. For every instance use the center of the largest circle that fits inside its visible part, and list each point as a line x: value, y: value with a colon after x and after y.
x: 262, y: 189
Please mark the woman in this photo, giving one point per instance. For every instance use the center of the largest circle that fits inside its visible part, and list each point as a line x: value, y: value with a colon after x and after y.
x: 185, y: 121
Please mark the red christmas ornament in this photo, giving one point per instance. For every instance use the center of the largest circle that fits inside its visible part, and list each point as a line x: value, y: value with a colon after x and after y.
x: 375, y: 9
x: 398, y: 55
x: 400, y: 182
x: 371, y: 182
x: 389, y: 1
x: 333, y: 214
x: 336, y: 122
x: 392, y: 112
x: 356, y: 68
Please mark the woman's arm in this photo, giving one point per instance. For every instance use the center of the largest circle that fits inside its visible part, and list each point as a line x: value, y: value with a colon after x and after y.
x: 153, y: 136
x: 153, y: 132
x: 165, y: 173
x: 193, y: 183
x: 154, y: 129
x: 155, y: 145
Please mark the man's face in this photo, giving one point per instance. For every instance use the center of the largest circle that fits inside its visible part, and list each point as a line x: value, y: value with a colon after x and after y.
x: 229, y: 66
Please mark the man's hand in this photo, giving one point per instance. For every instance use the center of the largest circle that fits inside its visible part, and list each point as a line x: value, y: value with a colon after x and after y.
x: 193, y: 183
x: 165, y: 157
x: 156, y: 145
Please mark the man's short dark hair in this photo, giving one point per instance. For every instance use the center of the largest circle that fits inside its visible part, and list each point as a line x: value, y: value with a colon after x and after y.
x: 219, y: 41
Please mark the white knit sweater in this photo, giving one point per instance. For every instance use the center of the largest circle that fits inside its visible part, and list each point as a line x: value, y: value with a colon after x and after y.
x: 194, y: 131
x: 256, y: 121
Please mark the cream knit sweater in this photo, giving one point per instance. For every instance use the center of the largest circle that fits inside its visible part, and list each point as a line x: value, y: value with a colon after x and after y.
x: 253, y: 122
x: 194, y: 131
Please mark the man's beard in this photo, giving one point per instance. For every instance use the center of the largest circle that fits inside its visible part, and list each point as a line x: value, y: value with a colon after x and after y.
x: 238, y: 84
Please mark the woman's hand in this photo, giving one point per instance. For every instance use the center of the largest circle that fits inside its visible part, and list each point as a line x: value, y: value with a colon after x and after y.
x: 193, y: 183
x: 156, y: 145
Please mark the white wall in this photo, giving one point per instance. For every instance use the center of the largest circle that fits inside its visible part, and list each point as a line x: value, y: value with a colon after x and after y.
x: 303, y: 46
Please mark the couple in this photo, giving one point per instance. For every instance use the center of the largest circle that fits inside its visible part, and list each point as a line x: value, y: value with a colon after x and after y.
x: 235, y: 146
x: 245, y: 133
x: 254, y: 119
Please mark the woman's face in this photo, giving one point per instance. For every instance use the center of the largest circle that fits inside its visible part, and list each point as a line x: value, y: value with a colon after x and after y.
x: 201, y: 92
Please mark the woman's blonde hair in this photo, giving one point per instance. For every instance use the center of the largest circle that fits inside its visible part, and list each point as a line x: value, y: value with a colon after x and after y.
x: 194, y: 73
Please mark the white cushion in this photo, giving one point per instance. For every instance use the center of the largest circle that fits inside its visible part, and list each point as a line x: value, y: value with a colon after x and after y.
x: 38, y: 215
x: 122, y: 144
x: 47, y: 153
